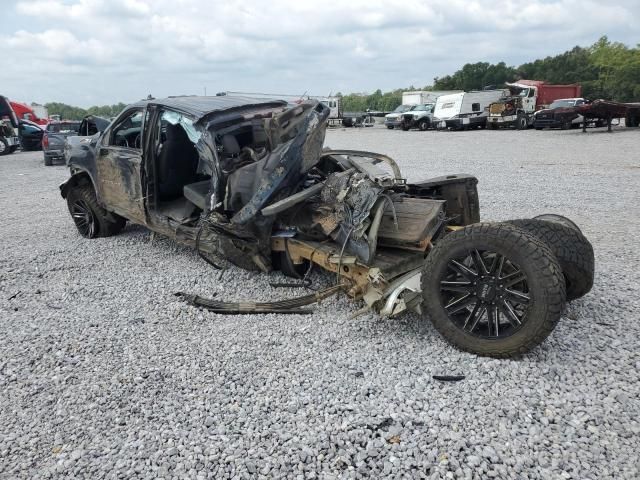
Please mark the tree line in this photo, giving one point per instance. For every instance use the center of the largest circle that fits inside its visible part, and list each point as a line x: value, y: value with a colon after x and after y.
x: 69, y: 112
x: 609, y: 70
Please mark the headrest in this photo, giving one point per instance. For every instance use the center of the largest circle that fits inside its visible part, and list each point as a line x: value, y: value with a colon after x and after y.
x: 230, y: 144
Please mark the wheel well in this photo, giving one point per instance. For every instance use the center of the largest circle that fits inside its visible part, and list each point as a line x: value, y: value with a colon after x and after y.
x: 79, y: 178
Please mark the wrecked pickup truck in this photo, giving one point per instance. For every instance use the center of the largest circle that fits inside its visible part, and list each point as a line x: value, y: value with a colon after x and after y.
x: 248, y: 181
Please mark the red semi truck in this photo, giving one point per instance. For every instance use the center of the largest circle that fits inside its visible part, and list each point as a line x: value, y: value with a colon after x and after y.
x: 26, y: 112
x: 527, y: 97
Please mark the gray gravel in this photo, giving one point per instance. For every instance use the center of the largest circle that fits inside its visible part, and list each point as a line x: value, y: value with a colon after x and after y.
x: 103, y: 373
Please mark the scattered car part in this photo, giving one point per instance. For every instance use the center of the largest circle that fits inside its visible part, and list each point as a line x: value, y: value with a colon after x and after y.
x: 493, y: 289
x: 448, y: 378
x: 291, y: 305
x: 573, y: 251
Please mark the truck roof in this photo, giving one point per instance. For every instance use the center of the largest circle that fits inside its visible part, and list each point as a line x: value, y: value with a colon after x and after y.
x: 198, y: 106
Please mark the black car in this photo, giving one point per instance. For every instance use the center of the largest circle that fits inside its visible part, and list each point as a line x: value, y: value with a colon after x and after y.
x: 30, y: 134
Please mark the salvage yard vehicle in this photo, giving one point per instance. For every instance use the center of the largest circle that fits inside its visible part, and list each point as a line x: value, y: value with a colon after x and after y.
x: 91, y: 125
x: 462, y: 111
x: 9, y: 141
x: 525, y: 98
x: 394, y: 119
x: 420, y: 117
x: 53, y: 139
x: 601, y: 113
x: 248, y: 182
x: 546, y: 117
x: 30, y: 134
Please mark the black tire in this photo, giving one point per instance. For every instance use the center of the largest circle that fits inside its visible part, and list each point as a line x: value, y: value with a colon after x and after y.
x: 573, y: 251
x: 404, y: 127
x: 521, y: 283
x: 565, y: 126
x: 47, y: 161
x: 13, y: 148
x: 90, y: 218
x: 554, y: 217
x: 390, y: 127
x: 492, y: 126
x: 4, y: 147
x: 538, y: 128
x: 424, y: 124
x: 291, y: 269
x: 521, y: 122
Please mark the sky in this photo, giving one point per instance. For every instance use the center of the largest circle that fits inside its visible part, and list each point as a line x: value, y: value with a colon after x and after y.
x: 97, y: 52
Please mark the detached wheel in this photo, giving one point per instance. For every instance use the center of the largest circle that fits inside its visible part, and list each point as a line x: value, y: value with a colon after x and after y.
x: 91, y: 219
x: 572, y: 249
x: 555, y: 218
x: 291, y: 269
x: 493, y: 289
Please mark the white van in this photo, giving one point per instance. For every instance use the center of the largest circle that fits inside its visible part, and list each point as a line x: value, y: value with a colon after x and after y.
x: 462, y: 111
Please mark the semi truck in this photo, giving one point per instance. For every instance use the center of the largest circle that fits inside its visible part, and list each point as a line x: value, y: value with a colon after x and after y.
x: 9, y: 141
x: 525, y: 98
x: 34, y: 113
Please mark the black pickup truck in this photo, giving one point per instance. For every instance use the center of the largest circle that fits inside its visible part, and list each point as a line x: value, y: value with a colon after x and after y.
x: 58, y: 133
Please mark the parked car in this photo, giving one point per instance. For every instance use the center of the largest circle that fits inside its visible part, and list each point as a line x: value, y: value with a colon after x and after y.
x: 88, y: 131
x: 546, y: 118
x: 393, y: 119
x: 54, y: 138
x: 30, y: 134
x: 249, y: 182
x: 419, y: 116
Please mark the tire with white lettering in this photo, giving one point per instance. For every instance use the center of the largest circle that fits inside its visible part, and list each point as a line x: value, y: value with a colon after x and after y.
x: 493, y: 289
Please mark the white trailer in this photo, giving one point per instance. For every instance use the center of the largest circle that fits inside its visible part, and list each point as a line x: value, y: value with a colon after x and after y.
x: 465, y: 110
x: 420, y: 97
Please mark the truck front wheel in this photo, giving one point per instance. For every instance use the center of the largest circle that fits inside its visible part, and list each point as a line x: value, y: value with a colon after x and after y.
x: 522, y: 122
x: 91, y: 219
x: 424, y: 124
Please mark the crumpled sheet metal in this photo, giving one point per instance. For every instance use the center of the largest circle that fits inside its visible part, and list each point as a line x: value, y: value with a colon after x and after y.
x: 343, y: 213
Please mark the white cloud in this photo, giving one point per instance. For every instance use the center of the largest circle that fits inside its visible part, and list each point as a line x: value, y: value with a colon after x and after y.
x: 101, y: 51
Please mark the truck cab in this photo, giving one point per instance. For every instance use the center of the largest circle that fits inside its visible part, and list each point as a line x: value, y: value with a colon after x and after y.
x: 526, y: 97
x: 394, y: 119
x: 420, y: 117
x: 9, y: 141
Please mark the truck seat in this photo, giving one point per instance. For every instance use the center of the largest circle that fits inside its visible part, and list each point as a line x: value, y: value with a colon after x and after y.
x: 197, y: 193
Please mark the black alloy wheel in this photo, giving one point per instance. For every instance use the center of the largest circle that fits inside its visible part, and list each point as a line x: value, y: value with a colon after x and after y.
x: 485, y: 294
x: 84, y: 218
x: 492, y: 289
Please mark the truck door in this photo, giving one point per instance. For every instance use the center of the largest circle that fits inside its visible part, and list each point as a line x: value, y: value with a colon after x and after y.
x: 529, y: 101
x: 119, y: 166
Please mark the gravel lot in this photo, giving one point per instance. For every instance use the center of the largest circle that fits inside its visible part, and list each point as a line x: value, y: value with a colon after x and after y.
x: 104, y: 373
